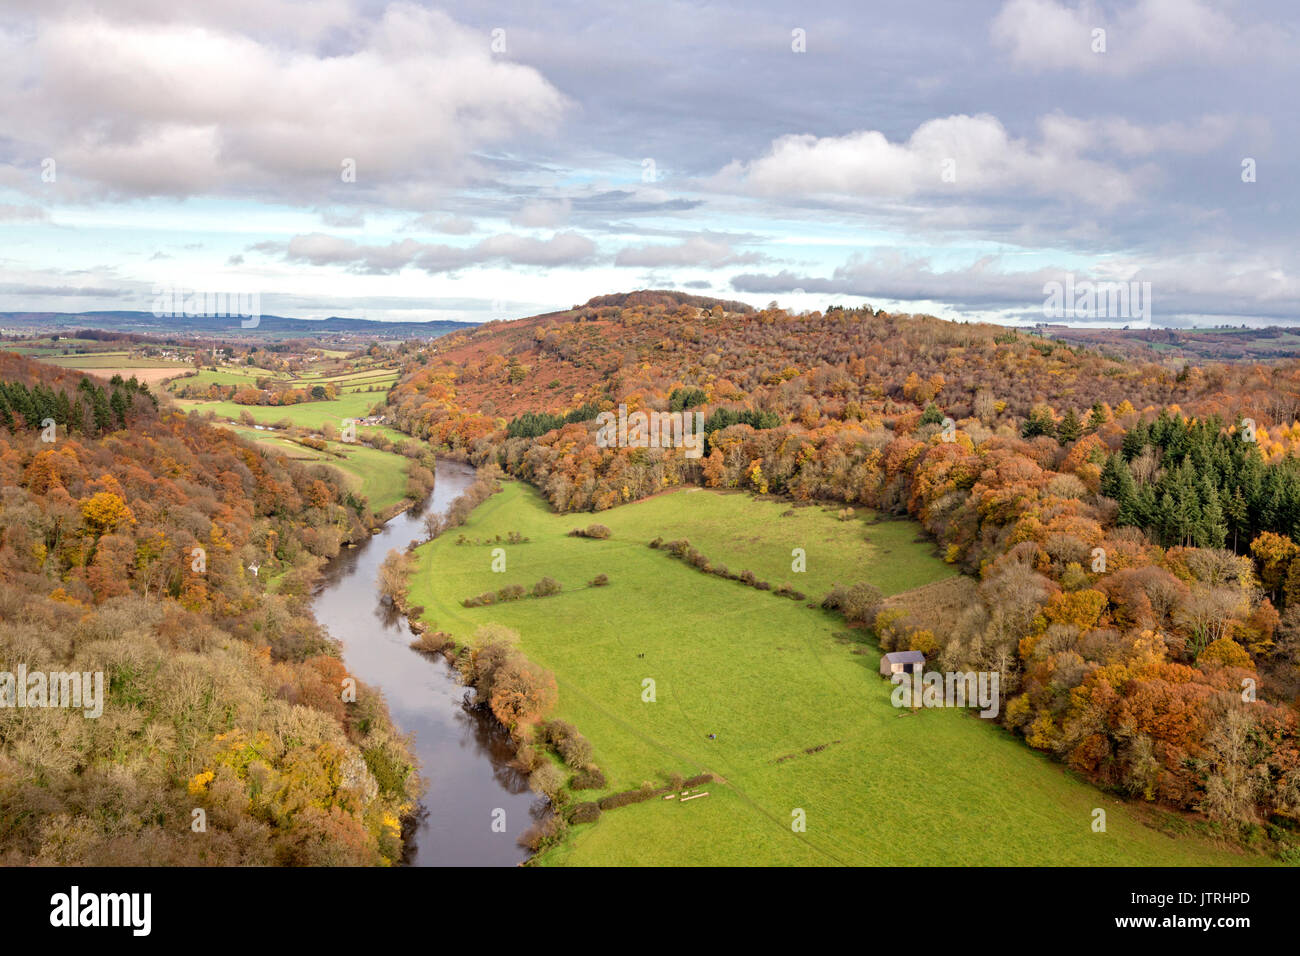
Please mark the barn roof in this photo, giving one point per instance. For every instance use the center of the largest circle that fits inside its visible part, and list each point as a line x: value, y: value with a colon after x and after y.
x: 905, y: 657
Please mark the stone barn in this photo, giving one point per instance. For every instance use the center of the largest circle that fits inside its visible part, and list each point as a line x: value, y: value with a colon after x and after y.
x: 901, y: 662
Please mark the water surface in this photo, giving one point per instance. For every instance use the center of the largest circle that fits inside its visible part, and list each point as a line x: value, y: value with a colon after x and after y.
x: 463, y: 754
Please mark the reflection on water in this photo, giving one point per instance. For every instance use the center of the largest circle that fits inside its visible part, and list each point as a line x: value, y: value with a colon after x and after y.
x: 463, y: 755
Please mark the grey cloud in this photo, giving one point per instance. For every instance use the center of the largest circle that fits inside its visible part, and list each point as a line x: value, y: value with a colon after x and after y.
x: 701, y: 251
x: 319, y: 249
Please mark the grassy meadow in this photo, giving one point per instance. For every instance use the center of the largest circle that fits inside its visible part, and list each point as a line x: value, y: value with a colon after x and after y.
x: 378, y: 475
x: 803, y: 721
x: 313, y: 415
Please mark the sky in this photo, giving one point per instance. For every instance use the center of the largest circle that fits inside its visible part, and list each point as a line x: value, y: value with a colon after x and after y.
x: 472, y: 161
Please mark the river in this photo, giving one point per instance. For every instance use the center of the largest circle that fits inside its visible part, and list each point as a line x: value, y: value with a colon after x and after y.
x: 463, y: 754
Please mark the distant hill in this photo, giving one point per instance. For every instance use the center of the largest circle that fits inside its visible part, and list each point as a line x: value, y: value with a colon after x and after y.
x: 268, y: 326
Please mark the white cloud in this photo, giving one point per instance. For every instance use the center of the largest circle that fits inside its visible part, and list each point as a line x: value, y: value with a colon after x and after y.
x: 1050, y: 35
x: 954, y: 155
x: 159, y: 108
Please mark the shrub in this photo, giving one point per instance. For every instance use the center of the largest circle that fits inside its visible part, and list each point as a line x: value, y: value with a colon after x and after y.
x: 528, y: 758
x: 697, y: 781
x: 597, y: 531
x: 394, y: 573
x: 545, y: 832
x: 585, y: 813
x: 628, y: 797
x: 591, y: 778
x: 546, y: 587
x: 858, y: 603
x: 575, y: 751
x: 433, y: 642
x: 547, y: 779
x: 599, y: 581
x: 554, y: 731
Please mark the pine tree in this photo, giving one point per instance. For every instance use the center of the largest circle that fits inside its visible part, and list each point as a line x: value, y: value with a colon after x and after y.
x: 1117, y: 483
x: 1038, y: 423
x: 1236, y: 514
x: 1070, y: 428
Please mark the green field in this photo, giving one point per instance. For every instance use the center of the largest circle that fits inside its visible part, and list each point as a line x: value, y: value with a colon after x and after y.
x: 378, y: 475
x: 773, y: 679
x: 307, y: 414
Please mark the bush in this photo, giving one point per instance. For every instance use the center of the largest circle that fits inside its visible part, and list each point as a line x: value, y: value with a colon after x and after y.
x: 628, y: 797
x: 585, y: 813
x: 592, y: 778
x: 546, y: 779
x: 545, y: 832
x: 528, y: 758
x: 554, y: 731
x: 597, y: 531
x: 599, y: 581
x: 575, y: 751
x: 433, y: 642
x: 546, y: 587
x: 697, y: 781
x: 858, y: 603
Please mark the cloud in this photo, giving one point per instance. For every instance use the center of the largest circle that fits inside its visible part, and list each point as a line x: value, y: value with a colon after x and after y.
x: 445, y: 223
x: 542, y: 213
x: 1044, y: 35
x: 962, y: 155
x: 319, y: 249
x: 1206, y: 284
x: 143, y: 108
x: 698, y: 251
x: 14, y: 213
x: 342, y: 218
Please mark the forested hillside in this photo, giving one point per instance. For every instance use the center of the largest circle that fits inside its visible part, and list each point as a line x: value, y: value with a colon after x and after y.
x: 1132, y: 526
x: 128, y: 542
